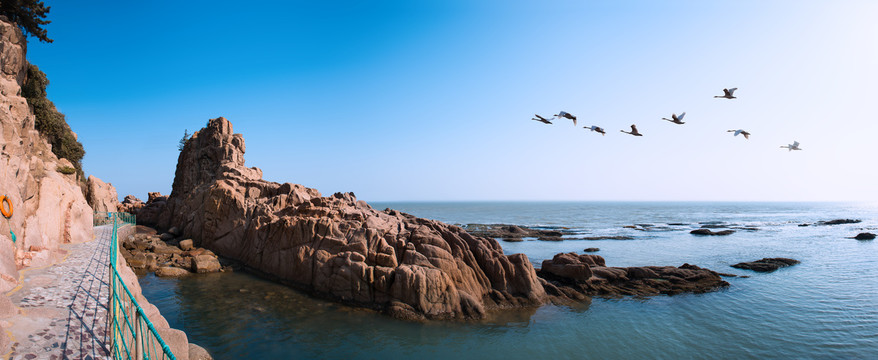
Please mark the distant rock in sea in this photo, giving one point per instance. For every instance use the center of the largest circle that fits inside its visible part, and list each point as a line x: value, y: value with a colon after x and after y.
x: 713, y: 233
x: 766, y: 264
x: 839, y: 222
x: 865, y: 236
x: 591, y: 250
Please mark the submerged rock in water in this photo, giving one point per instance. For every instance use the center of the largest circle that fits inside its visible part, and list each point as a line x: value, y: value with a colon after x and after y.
x: 568, y: 275
x: 766, y: 264
x: 865, y: 236
x: 591, y: 250
x: 709, y: 232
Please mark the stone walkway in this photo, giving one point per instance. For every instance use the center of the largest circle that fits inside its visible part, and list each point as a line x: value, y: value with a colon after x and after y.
x: 64, y: 306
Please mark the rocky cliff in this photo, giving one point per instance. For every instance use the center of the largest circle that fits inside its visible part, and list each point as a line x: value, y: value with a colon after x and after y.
x: 101, y: 196
x: 336, y: 246
x: 341, y: 248
x: 48, y: 206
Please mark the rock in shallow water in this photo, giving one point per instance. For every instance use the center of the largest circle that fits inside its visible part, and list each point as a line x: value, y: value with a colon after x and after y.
x: 766, y: 264
x: 710, y: 232
x: 865, y: 236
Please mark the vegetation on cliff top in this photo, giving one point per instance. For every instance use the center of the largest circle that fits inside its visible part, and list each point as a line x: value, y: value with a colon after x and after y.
x: 29, y: 15
x: 49, y: 122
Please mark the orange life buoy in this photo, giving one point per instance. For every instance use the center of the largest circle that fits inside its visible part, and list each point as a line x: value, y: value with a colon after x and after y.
x: 4, y: 202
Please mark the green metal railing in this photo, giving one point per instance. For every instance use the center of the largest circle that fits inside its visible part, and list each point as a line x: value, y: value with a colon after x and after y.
x: 133, y: 335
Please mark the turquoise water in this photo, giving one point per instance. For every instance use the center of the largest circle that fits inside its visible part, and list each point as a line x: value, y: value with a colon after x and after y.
x: 825, y: 307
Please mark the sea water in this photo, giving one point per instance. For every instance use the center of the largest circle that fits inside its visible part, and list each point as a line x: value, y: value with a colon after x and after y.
x: 825, y: 307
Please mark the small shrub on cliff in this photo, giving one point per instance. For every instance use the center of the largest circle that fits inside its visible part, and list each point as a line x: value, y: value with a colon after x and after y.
x: 66, y: 170
x: 29, y: 15
x: 49, y: 122
x: 184, y: 139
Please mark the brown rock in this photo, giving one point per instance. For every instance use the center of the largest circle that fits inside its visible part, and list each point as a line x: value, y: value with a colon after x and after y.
x: 205, y: 264
x: 766, y: 264
x: 336, y: 246
x: 177, y: 341
x: 198, y: 353
x: 710, y: 232
x: 101, y: 196
x: 186, y: 245
x: 169, y: 271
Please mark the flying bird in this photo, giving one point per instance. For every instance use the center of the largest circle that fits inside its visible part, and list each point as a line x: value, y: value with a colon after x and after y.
x: 633, y: 131
x: 596, y: 129
x: 676, y: 119
x: 741, y: 132
x: 541, y: 119
x: 791, y: 147
x: 566, y: 115
x: 728, y: 94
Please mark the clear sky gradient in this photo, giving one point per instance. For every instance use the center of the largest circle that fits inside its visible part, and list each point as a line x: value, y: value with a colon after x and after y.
x: 432, y: 100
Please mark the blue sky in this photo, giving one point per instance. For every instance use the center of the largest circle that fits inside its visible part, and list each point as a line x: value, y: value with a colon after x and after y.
x: 432, y: 100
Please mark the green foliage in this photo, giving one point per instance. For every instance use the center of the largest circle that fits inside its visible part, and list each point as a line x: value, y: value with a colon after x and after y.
x: 50, y: 123
x: 66, y: 170
x: 184, y: 139
x: 29, y: 15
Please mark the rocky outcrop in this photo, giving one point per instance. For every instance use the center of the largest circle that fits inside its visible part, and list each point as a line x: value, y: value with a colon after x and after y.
x: 336, y: 246
x: 48, y: 206
x: 571, y: 276
x: 101, y: 196
x: 339, y: 247
x: 131, y: 204
x: 766, y: 264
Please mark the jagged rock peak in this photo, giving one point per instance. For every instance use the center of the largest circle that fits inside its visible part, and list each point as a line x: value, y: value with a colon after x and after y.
x: 208, y: 154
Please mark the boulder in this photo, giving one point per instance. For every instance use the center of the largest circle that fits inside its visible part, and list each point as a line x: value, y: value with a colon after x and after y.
x: 766, y: 264
x: 101, y: 196
x: 865, y: 236
x: 170, y: 271
x: 177, y: 341
x: 186, y: 245
x: 205, y: 264
x: 198, y: 353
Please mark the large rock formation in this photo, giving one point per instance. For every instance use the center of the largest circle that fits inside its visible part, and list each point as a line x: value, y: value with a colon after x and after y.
x: 101, y: 196
x: 336, y: 246
x: 341, y: 248
x: 48, y: 206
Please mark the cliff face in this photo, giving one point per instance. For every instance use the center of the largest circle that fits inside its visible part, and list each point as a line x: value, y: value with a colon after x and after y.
x: 336, y: 246
x: 49, y: 207
x: 101, y: 196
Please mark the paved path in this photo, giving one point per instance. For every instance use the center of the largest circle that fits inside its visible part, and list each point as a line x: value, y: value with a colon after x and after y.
x: 64, y: 306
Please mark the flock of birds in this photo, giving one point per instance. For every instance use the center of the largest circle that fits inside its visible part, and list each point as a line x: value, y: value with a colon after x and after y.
x: 676, y: 119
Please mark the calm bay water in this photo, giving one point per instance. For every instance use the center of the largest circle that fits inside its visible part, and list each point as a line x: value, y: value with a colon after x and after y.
x: 825, y: 307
